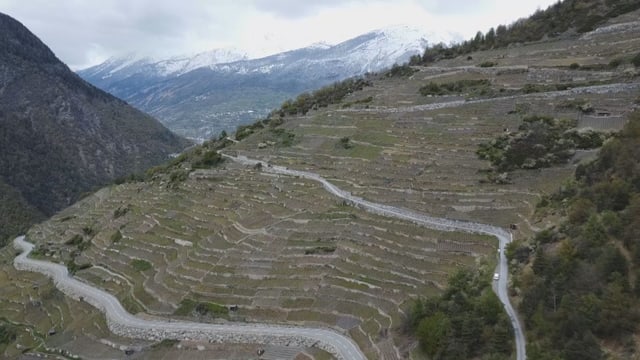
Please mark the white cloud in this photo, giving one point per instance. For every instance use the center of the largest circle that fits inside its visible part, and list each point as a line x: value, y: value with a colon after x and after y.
x: 84, y: 32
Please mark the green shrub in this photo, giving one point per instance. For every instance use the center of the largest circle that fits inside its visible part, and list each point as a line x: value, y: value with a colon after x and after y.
x: 636, y: 60
x: 88, y: 230
x: 545, y: 236
x: 166, y: 343
x: 590, y: 23
x: 586, y: 139
x: 487, y: 64
x: 400, y: 71
x: 116, y: 237
x: 536, y: 88
x: 275, y: 121
x: 456, y: 87
x: 283, y: 137
x: 244, y: 131
x: 357, y: 102
x: 141, y: 265
x: 577, y: 104
x: 84, y: 245
x: 120, y: 211
x: 74, y: 267
x: 223, y: 135
x: 321, y: 250
x: 539, y: 142
x: 75, y: 240
x: 431, y: 88
x: 616, y: 62
x: 209, y: 308
x: 8, y: 333
x: 366, y: 100
x: 188, y: 307
x: 517, y: 251
x: 179, y: 175
x: 209, y: 159
x: 38, y: 252
x: 533, y: 88
x: 345, y: 142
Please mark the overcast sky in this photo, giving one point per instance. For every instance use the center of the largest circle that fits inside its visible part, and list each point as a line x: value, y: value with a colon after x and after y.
x: 87, y: 32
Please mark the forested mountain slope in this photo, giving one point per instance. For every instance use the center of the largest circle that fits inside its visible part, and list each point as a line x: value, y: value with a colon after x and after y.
x: 580, y: 279
x: 60, y: 136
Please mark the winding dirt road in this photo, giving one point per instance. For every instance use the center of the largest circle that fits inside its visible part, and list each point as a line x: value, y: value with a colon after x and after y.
x: 503, y: 236
x: 123, y: 323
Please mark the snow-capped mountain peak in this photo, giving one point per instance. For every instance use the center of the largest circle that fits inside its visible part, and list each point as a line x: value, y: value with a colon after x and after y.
x: 119, y: 65
x: 187, y: 92
x: 382, y: 48
x: 407, y: 34
x: 184, y: 64
x: 134, y: 63
x: 368, y: 52
x: 319, y: 45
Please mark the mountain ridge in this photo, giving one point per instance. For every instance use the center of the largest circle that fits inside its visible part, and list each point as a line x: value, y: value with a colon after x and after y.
x: 220, y: 96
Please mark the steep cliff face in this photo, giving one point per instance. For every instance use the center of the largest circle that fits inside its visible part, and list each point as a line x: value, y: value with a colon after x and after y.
x: 60, y: 136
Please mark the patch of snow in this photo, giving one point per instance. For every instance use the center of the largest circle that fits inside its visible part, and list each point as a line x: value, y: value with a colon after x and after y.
x: 174, y: 66
x: 180, y: 65
x: 117, y: 64
x: 320, y: 45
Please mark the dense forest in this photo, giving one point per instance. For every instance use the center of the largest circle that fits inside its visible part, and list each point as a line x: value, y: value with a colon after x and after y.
x: 466, y: 321
x: 580, y: 281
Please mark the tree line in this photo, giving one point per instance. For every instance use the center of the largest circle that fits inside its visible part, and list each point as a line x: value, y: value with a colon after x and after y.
x: 580, y: 281
x: 467, y: 321
x: 578, y: 15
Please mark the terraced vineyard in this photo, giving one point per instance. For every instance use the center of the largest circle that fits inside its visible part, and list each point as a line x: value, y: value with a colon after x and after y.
x: 425, y: 159
x: 283, y: 250
x: 50, y: 322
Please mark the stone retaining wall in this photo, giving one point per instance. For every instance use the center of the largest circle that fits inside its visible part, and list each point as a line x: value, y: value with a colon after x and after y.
x: 121, y: 323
